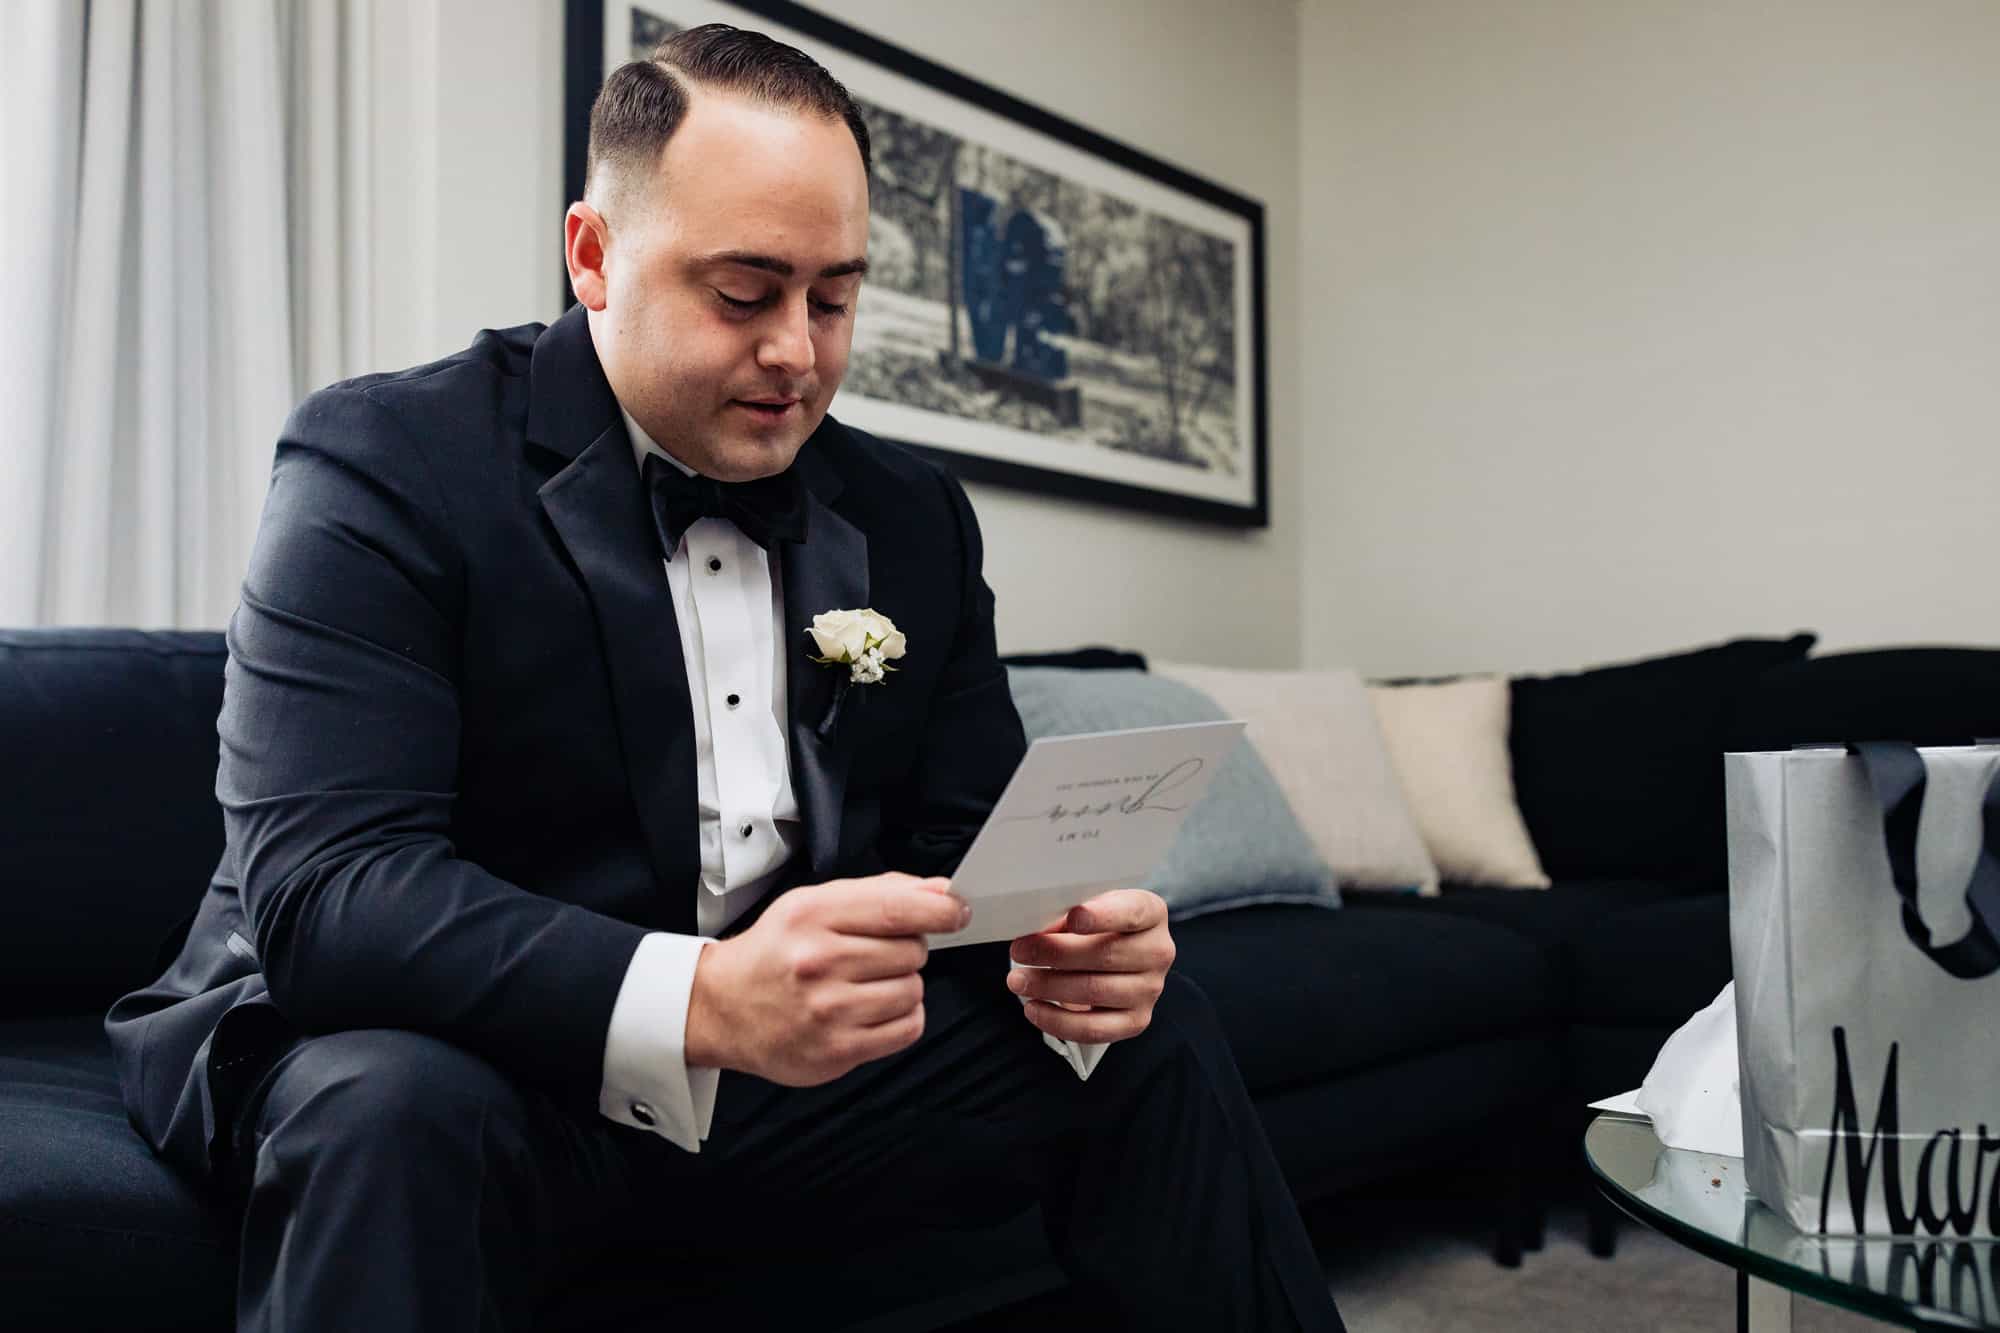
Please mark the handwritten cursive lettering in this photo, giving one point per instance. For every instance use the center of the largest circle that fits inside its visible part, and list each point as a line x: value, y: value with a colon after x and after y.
x: 1136, y: 803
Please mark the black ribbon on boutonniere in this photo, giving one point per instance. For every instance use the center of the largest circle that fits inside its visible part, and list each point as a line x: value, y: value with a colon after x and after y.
x: 841, y: 688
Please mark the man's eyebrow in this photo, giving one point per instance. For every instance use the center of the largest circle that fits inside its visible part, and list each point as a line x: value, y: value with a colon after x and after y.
x: 749, y: 259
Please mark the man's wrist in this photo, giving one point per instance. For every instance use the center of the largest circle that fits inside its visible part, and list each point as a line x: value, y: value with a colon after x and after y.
x: 706, y: 1040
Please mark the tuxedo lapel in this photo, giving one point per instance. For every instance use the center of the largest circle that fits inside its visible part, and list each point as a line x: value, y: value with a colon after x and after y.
x: 600, y: 511
x: 827, y: 572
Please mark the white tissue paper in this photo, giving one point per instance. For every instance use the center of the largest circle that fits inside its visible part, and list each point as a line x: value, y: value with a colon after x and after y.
x: 1691, y: 1092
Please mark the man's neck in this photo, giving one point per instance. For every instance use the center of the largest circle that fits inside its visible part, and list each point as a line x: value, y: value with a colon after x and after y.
x: 643, y: 444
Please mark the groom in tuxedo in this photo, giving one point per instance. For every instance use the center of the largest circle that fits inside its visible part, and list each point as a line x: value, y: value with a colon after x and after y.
x: 568, y: 902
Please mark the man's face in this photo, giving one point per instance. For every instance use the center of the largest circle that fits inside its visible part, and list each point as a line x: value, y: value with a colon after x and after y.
x: 730, y: 279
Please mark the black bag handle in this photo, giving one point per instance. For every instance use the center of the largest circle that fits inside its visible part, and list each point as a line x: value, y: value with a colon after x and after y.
x: 1897, y: 776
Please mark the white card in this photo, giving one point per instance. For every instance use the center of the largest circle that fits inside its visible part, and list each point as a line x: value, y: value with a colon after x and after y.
x: 1083, y: 814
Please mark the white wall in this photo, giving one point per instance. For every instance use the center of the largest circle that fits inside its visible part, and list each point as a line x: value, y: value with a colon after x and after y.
x: 465, y: 199
x: 1208, y: 87
x: 1211, y: 88
x: 1632, y: 324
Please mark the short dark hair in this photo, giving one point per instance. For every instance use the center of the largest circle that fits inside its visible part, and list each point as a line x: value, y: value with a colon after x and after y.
x: 643, y: 102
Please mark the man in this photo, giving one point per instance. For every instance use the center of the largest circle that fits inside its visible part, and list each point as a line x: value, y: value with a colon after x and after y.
x: 568, y: 898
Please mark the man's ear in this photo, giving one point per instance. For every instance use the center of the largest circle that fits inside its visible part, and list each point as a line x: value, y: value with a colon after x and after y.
x: 585, y: 241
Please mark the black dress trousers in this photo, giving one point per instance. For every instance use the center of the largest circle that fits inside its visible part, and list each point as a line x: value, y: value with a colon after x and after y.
x: 390, y: 1181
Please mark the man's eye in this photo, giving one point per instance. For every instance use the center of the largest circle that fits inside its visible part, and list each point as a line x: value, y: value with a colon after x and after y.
x: 742, y: 306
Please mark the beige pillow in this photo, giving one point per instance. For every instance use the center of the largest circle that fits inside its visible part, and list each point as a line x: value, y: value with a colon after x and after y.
x: 1317, y: 734
x: 1449, y: 746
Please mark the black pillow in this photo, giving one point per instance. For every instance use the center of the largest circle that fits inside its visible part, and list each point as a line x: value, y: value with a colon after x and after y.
x: 1618, y: 770
x: 1108, y: 659
x: 1927, y: 696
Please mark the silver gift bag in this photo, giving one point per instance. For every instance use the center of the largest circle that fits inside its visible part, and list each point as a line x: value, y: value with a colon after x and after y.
x: 1864, y: 924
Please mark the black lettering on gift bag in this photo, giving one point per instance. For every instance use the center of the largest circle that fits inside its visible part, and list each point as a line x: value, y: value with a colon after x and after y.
x: 1883, y: 1145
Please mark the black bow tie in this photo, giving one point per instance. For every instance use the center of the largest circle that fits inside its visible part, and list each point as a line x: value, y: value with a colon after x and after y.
x: 766, y: 510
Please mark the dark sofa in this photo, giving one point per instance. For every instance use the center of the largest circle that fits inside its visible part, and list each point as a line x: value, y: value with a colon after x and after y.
x: 1392, y: 1035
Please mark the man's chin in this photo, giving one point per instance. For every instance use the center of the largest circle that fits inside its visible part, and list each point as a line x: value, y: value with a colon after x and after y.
x: 756, y: 453
x: 752, y: 458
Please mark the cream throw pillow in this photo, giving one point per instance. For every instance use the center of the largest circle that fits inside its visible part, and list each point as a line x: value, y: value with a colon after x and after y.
x: 1317, y: 734
x: 1449, y: 745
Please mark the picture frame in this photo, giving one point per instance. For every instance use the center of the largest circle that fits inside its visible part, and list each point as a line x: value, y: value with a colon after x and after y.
x: 1047, y: 308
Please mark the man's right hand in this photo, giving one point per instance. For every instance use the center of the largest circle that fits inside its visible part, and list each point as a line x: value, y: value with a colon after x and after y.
x: 825, y: 980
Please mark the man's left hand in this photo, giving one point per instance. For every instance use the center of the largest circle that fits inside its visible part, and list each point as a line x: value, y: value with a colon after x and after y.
x: 1107, y: 961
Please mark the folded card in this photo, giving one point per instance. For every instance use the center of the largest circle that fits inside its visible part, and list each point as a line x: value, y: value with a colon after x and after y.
x: 1083, y: 814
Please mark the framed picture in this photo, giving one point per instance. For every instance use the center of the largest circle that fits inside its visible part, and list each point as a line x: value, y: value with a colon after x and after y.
x: 1045, y: 308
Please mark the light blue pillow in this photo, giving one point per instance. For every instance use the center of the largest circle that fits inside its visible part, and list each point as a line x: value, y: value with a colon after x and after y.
x: 1241, y: 845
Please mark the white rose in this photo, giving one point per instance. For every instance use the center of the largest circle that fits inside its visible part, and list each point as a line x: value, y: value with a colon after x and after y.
x: 843, y: 636
x: 839, y: 634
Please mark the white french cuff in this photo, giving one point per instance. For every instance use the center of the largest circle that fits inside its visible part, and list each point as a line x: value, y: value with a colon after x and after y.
x: 1082, y: 1055
x: 647, y: 1082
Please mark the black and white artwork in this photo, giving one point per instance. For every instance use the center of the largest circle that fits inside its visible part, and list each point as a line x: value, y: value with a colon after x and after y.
x: 1044, y: 307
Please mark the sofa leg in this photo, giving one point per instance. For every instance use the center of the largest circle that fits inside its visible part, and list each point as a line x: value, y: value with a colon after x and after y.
x: 1601, y: 1221
x: 1507, y: 1243
x: 1513, y: 1211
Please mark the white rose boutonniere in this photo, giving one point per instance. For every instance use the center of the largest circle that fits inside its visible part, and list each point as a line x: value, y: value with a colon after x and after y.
x: 863, y: 641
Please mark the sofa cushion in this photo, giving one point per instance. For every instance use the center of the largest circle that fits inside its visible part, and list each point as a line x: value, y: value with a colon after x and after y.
x: 1305, y: 995
x: 1927, y: 696
x: 113, y: 828
x: 1574, y: 918
x: 1448, y: 743
x: 95, y: 1231
x: 1241, y: 844
x: 1619, y: 771
x: 1318, y: 735
x: 1656, y: 963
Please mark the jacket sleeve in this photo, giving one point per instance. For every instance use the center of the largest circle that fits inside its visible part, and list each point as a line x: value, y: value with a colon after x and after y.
x: 339, y: 766
x: 972, y: 740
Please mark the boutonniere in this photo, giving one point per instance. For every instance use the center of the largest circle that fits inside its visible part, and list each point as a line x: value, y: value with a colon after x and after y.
x: 864, y: 642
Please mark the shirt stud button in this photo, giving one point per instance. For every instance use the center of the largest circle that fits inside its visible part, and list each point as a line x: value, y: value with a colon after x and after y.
x: 713, y: 564
x: 744, y: 830
x: 735, y: 699
x: 643, y: 1114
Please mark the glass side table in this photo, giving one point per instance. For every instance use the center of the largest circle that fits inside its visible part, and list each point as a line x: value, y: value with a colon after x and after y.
x: 1700, y: 1201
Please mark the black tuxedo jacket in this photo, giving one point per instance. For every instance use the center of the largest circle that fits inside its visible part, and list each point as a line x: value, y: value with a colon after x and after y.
x: 457, y: 763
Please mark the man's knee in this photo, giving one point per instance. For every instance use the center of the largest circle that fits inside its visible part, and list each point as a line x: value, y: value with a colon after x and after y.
x: 1184, y: 1022
x: 383, y: 1087
x: 1184, y: 1007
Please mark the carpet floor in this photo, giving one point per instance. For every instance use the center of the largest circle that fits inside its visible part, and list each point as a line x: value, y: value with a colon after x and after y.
x: 1401, y: 1262
x: 1409, y: 1274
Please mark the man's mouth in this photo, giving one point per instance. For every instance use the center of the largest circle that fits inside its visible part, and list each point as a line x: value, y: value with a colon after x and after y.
x: 768, y: 409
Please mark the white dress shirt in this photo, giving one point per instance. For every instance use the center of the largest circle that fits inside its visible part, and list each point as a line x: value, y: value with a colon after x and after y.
x: 728, y: 602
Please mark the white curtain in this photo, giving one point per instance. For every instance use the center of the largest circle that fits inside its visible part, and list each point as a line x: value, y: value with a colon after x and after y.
x: 179, y: 176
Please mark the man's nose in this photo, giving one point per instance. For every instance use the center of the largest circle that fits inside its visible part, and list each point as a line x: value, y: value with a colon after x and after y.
x: 787, y: 344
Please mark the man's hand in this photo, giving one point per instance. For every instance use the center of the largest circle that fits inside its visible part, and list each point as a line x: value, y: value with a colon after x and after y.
x: 825, y: 980
x: 1107, y: 961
